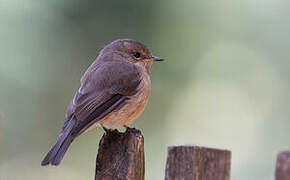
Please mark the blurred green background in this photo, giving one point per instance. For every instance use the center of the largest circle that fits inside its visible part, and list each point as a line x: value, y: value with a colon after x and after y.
x: 224, y: 84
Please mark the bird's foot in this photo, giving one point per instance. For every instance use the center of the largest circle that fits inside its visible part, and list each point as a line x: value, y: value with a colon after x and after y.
x: 106, y: 130
x: 109, y: 131
x: 128, y: 128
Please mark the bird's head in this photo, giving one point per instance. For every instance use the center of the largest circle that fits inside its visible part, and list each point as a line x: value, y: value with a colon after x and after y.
x: 130, y: 50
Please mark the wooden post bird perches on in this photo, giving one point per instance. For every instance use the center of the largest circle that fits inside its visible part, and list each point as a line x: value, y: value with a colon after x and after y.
x: 121, y: 156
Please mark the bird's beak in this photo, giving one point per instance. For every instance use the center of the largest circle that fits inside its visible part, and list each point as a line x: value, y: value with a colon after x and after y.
x: 154, y: 58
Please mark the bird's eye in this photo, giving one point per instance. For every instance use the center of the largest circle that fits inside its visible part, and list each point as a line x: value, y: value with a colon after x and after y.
x: 136, y: 54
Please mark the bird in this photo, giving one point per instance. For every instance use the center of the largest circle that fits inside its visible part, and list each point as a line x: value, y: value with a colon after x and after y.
x: 113, y: 93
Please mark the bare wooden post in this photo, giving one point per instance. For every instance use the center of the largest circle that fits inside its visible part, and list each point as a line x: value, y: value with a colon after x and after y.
x: 197, y: 163
x: 121, y: 156
x: 283, y: 166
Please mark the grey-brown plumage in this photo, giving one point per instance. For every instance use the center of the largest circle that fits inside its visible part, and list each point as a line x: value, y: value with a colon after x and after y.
x: 113, y: 93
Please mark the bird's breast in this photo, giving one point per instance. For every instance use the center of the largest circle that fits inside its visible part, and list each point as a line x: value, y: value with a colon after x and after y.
x: 133, y: 108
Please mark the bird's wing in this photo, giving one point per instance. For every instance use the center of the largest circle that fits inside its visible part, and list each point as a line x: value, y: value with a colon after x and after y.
x: 103, y: 88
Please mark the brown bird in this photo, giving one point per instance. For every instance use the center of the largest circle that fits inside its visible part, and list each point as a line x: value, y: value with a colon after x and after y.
x: 113, y: 93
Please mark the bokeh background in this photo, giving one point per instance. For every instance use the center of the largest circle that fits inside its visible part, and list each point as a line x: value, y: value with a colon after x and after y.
x: 224, y: 84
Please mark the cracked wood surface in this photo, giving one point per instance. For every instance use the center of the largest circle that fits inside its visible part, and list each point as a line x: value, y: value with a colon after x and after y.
x: 121, y: 156
x: 197, y: 163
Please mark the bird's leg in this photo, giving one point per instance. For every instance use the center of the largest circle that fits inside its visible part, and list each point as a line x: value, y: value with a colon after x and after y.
x: 106, y: 130
x: 128, y: 128
x: 110, y: 131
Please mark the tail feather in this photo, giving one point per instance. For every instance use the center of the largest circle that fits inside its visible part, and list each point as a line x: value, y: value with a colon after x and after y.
x: 61, y: 152
x: 57, y: 152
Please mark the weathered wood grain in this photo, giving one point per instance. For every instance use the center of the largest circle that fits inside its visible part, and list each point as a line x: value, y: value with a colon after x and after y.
x: 121, y: 156
x: 197, y: 163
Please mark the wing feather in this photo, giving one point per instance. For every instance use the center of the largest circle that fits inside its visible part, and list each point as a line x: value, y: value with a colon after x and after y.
x: 103, y: 89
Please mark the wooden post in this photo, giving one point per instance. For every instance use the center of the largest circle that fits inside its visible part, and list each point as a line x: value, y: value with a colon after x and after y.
x: 283, y: 166
x: 197, y: 163
x: 121, y: 156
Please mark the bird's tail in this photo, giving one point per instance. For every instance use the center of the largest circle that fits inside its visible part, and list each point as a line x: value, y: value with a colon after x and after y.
x: 57, y: 152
